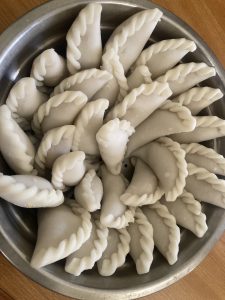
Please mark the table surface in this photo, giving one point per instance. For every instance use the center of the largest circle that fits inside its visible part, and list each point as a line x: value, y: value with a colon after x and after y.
x: 207, y: 281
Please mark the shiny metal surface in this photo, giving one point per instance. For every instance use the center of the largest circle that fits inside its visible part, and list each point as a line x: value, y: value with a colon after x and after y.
x: 46, y: 27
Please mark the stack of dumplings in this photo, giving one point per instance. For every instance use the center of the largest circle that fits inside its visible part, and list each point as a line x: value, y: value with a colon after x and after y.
x: 78, y: 121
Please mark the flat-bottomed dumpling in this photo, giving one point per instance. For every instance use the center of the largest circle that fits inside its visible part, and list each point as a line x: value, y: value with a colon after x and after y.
x: 167, y: 160
x: 91, y: 251
x: 188, y: 213
x: 130, y: 37
x: 185, y: 76
x: 84, y: 44
x: 205, y: 186
x: 86, y: 81
x: 115, y: 253
x: 141, y: 244
x: 150, y: 96
x: 204, y: 157
x: 87, y: 125
x: 89, y: 192
x: 164, y: 55
x: 207, y: 128
x: 168, y: 118
x: 114, y: 213
x: 29, y: 191
x: 55, y: 142
x: 199, y: 98
x: 112, y: 140
x: 15, y: 145
x: 54, y: 241
x: 143, y: 188
x: 68, y: 169
x: 139, y: 76
x: 59, y: 110
x: 49, y: 68
x: 116, y: 88
x: 166, y: 233
x: 23, y: 101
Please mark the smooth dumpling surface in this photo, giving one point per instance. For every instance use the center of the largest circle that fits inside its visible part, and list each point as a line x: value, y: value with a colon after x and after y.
x: 89, y: 192
x: 49, y: 68
x: 114, y: 213
x: 164, y: 55
x: 54, y: 241
x: 139, y: 76
x: 130, y: 37
x: 168, y: 118
x: 166, y: 233
x: 91, y: 251
x: 115, y: 253
x: 55, y: 143
x: 29, y: 191
x: 68, y: 169
x: 59, y: 110
x: 84, y: 44
x: 86, y: 81
x: 143, y: 188
x: 199, y: 98
x: 207, y: 128
x: 188, y: 213
x: 112, y: 140
x: 23, y: 101
x: 141, y: 244
x: 150, y: 96
x: 204, y: 157
x: 185, y: 76
x: 15, y: 146
x: 87, y: 124
x: 167, y: 160
x: 205, y: 186
x: 117, y: 87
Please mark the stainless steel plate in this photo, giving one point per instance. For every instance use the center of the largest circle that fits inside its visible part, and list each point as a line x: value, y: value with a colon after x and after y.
x: 46, y: 27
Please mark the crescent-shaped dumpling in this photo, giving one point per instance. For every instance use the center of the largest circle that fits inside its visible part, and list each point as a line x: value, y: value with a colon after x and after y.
x: 185, y: 76
x: 55, y: 143
x: 143, y: 188
x: 115, y: 253
x: 164, y: 55
x: 205, y: 186
x: 89, y: 192
x: 166, y: 233
x: 112, y: 140
x: 188, y: 213
x: 91, y: 251
x: 130, y: 37
x: 23, y: 101
x: 207, y: 128
x: 84, y: 44
x: 29, y: 191
x: 199, y: 98
x: 59, y: 110
x: 114, y: 213
x: 54, y: 241
x: 116, y: 88
x: 139, y: 76
x: 15, y: 145
x: 86, y: 81
x: 141, y: 244
x: 169, y: 118
x: 68, y: 169
x: 87, y: 124
x: 204, y: 157
x: 49, y: 68
x: 167, y: 160
x: 150, y: 96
